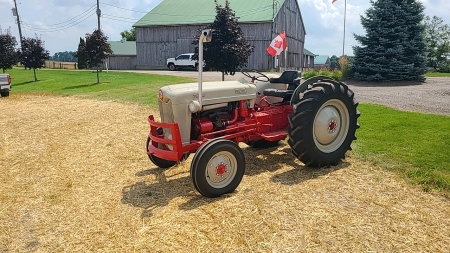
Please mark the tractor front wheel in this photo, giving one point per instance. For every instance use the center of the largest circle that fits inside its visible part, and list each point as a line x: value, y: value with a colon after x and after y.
x: 162, y: 163
x: 323, y: 124
x: 217, y: 168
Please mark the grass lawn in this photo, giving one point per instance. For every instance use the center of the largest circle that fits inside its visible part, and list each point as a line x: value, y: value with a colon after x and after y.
x: 437, y: 74
x: 414, y: 144
x: 132, y: 87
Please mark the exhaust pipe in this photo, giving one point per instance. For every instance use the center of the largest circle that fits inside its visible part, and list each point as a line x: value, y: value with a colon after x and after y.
x: 206, y: 36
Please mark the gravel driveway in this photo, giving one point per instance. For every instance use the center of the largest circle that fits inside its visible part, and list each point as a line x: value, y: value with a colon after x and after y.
x: 433, y: 96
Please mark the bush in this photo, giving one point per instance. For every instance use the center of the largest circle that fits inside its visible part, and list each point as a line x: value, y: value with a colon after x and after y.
x: 308, y: 74
x: 335, y: 74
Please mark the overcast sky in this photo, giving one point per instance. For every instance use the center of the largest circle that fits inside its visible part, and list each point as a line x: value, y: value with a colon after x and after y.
x: 61, y: 23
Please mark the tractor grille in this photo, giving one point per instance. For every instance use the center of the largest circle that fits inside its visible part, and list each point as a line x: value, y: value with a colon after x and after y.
x: 166, y: 112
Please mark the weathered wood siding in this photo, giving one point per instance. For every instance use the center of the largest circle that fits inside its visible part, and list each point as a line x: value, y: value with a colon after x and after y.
x: 155, y: 44
x: 308, y: 62
x: 119, y: 62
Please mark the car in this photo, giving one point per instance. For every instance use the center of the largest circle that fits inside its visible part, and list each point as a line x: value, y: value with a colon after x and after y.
x: 183, y: 61
x: 5, y: 85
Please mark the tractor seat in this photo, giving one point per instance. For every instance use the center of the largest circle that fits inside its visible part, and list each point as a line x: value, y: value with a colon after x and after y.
x: 289, y: 77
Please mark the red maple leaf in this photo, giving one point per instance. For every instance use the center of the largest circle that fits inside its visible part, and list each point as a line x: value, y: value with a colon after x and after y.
x: 278, y: 43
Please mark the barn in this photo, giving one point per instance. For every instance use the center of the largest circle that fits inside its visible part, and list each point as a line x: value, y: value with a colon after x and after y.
x: 123, y: 57
x: 169, y: 28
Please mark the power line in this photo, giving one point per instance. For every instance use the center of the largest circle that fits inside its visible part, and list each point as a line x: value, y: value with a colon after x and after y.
x: 124, y: 8
x: 77, y: 18
x: 57, y: 29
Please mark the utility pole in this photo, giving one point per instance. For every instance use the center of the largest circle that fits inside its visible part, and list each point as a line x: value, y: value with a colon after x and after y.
x: 345, y: 16
x: 16, y: 13
x: 99, y: 12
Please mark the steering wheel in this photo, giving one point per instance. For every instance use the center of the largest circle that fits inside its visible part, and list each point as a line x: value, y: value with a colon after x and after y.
x: 261, y: 77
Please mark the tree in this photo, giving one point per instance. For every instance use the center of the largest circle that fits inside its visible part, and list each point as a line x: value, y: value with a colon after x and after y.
x: 129, y: 35
x: 96, y: 50
x: 81, y: 58
x: 65, y: 56
x: 394, y: 47
x: 334, y: 62
x: 33, y: 54
x: 228, y: 51
x: 437, y: 40
x: 8, y: 51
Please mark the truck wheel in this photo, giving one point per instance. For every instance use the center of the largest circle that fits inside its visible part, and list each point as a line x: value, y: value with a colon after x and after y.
x: 217, y: 168
x: 172, y: 67
x: 162, y: 163
x: 4, y: 94
x: 323, y: 124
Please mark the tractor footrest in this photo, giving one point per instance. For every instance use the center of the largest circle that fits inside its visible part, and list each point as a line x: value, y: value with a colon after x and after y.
x: 275, y: 135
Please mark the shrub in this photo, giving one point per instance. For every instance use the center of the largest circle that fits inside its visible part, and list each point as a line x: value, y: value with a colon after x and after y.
x: 308, y: 74
x: 335, y: 74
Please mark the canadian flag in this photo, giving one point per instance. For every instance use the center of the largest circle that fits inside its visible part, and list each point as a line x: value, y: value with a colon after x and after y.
x: 277, y: 45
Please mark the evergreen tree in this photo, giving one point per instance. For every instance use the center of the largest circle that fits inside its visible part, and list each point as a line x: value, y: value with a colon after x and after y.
x: 8, y: 51
x: 33, y: 54
x: 393, y: 48
x: 228, y: 51
x: 80, y: 57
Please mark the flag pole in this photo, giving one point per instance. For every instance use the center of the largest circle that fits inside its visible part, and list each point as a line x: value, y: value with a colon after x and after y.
x: 345, y: 16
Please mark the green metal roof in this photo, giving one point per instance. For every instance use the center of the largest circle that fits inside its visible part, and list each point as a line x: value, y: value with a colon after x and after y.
x: 307, y: 52
x: 176, y: 12
x: 321, y: 59
x: 123, y: 48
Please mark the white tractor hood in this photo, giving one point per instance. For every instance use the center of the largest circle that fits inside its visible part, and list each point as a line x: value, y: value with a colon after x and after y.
x: 213, y: 92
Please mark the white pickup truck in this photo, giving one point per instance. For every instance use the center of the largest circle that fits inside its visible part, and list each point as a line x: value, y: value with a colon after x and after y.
x: 183, y: 61
x: 5, y: 84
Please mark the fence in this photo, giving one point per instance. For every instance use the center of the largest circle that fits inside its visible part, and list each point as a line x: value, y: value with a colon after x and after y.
x: 60, y: 65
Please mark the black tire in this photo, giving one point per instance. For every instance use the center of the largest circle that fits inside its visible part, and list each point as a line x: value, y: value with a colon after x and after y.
x: 171, y: 67
x: 4, y: 94
x: 228, y: 173
x: 261, y: 144
x: 323, y: 124
x: 162, y: 163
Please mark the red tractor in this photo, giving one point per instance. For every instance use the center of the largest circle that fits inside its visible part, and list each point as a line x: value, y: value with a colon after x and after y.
x: 319, y: 117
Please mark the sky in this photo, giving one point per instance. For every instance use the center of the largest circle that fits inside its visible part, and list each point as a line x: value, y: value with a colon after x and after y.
x: 60, y: 23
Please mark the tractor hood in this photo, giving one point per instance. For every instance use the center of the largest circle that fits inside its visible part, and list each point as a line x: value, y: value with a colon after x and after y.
x: 213, y: 92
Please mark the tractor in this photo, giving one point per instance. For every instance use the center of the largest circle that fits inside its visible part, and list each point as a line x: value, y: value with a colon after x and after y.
x: 318, y: 117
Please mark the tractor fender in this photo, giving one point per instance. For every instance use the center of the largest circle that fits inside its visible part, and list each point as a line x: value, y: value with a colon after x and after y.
x: 304, y: 86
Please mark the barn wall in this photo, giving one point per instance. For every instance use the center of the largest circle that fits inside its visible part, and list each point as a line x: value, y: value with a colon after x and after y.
x: 120, y: 62
x: 155, y: 44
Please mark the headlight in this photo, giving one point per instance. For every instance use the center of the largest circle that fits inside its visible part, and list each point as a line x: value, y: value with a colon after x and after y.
x: 194, y: 106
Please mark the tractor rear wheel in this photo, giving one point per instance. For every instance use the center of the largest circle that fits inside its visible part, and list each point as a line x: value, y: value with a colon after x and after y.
x: 217, y: 168
x: 323, y: 124
x: 162, y: 163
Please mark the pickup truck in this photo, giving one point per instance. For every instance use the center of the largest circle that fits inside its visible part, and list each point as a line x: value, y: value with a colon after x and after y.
x: 183, y: 61
x: 5, y: 85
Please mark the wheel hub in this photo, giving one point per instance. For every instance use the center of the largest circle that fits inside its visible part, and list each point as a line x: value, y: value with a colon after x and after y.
x: 332, y: 126
x: 221, y: 169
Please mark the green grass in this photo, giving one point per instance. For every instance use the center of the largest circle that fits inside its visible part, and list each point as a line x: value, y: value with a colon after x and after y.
x: 132, y: 87
x: 416, y: 145
x: 437, y: 74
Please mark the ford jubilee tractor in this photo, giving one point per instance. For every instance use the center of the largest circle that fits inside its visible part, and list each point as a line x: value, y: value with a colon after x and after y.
x: 318, y: 117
